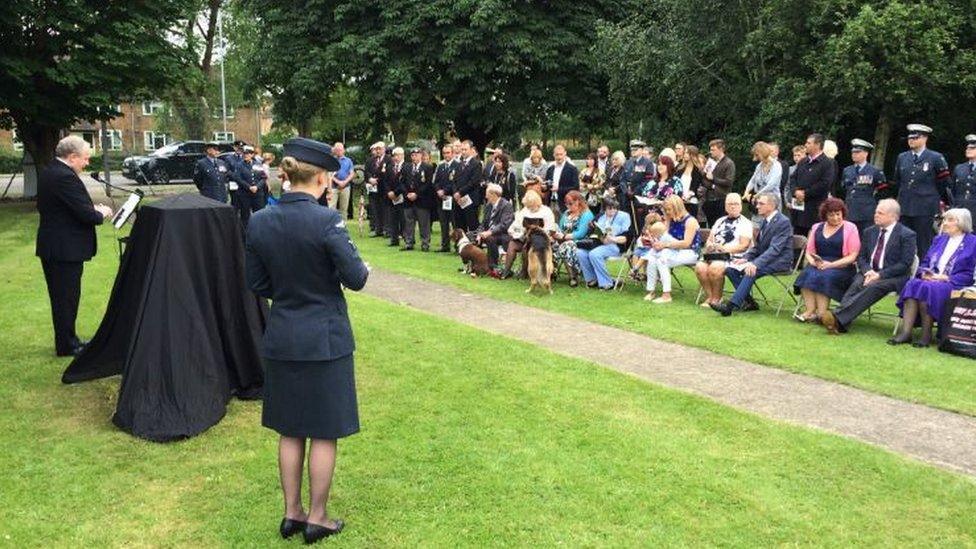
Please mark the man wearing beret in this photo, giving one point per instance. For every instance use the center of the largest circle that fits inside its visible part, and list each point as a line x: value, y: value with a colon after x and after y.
x: 964, y: 179
x: 922, y: 176
x: 860, y: 180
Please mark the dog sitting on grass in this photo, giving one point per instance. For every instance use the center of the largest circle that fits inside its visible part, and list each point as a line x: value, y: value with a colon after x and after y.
x: 538, y: 255
x: 475, y: 259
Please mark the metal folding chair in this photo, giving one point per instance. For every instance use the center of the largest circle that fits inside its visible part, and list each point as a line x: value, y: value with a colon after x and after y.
x: 896, y: 316
x: 781, y: 279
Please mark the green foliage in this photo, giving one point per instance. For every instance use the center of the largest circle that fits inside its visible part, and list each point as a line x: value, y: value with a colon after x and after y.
x: 10, y: 162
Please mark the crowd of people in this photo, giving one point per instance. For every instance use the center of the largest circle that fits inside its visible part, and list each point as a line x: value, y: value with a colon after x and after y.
x: 677, y: 208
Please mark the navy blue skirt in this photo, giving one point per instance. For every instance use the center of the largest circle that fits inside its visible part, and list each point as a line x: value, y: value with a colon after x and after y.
x: 305, y: 399
x: 829, y: 282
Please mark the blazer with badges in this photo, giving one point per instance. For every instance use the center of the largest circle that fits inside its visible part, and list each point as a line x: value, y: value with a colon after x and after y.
x: 299, y: 255
x: 964, y: 186
x: 773, y: 250
x: 382, y: 169
x: 637, y: 172
x: 418, y: 179
x: 921, y: 182
x: 68, y: 217
x: 468, y: 181
x: 568, y: 179
x: 444, y: 176
x: 210, y: 178
x: 249, y: 178
x: 899, y: 251
x: 859, y: 185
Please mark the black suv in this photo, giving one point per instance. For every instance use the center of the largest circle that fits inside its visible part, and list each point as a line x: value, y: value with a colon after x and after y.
x: 169, y: 163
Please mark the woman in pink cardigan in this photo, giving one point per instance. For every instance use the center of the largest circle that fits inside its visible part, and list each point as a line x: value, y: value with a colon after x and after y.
x: 832, y: 249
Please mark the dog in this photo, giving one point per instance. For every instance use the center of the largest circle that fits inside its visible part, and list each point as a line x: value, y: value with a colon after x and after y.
x: 475, y: 259
x: 538, y: 255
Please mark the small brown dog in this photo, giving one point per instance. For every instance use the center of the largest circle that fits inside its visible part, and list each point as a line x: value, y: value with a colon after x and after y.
x: 538, y: 255
x: 474, y: 258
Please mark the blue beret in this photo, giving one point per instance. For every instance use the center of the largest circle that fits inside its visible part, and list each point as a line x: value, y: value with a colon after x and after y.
x: 311, y: 152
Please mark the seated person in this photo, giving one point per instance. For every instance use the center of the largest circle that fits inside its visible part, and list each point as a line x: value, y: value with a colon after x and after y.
x: 574, y: 225
x: 884, y: 265
x: 497, y: 218
x: 730, y: 237
x: 681, y: 249
x: 947, y: 266
x: 615, y: 225
x: 772, y: 253
x: 643, y: 248
x: 832, y: 249
x: 532, y: 210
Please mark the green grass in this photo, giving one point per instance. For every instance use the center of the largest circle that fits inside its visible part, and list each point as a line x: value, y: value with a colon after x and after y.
x: 860, y: 358
x: 509, y: 445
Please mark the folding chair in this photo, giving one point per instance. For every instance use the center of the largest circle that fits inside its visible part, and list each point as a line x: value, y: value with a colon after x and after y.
x: 799, y: 245
x: 896, y: 316
x: 624, y: 260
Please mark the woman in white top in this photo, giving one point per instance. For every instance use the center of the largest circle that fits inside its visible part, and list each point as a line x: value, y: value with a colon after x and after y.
x: 767, y: 176
x: 532, y: 209
x: 731, y: 235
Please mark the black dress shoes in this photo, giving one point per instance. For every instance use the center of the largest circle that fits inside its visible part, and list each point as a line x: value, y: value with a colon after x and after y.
x: 897, y: 340
x: 724, y: 309
x: 290, y: 527
x: 750, y: 305
x: 315, y: 532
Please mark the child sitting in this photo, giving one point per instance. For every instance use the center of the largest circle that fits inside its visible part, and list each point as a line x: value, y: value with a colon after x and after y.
x: 644, y: 250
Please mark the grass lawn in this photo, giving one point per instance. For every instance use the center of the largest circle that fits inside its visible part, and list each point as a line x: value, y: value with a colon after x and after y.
x: 510, y: 445
x: 860, y: 358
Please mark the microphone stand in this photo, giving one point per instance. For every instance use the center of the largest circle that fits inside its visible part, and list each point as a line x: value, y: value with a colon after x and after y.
x: 137, y: 192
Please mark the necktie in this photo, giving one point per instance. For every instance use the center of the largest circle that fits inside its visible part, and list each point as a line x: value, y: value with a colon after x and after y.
x: 762, y: 227
x: 878, y: 250
x: 915, y: 158
x: 972, y: 168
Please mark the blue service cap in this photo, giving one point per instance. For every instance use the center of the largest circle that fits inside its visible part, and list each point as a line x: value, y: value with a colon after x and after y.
x: 312, y: 152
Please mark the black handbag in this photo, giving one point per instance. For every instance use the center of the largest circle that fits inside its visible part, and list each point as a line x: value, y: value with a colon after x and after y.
x: 587, y: 243
x: 717, y: 256
x: 957, y: 327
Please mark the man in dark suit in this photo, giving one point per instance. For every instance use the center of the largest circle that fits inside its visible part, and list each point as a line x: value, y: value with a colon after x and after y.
x: 376, y: 172
x: 468, y: 186
x: 393, y: 190
x: 562, y: 176
x: 444, y: 177
x: 813, y: 179
x: 884, y: 266
x: 498, y: 216
x: 210, y: 175
x: 772, y: 253
x: 418, y: 191
x: 66, y: 236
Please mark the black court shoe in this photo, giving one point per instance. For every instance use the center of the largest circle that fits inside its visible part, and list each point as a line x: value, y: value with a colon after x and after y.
x: 315, y: 532
x: 290, y: 527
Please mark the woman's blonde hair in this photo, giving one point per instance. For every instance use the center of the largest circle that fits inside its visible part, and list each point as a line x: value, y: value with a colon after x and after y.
x: 299, y: 172
x: 763, y: 152
x: 677, y: 206
x: 531, y: 199
x: 536, y: 156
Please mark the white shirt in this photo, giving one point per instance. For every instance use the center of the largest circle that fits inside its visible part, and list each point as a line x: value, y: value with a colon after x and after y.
x: 884, y: 246
x: 951, y: 246
x: 557, y: 172
x: 603, y: 164
x: 741, y: 227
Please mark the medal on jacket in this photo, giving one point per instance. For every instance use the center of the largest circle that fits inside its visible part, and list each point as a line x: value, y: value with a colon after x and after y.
x: 925, y: 167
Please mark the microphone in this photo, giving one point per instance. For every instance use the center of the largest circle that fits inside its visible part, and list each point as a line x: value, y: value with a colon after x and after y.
x: 97, y: 176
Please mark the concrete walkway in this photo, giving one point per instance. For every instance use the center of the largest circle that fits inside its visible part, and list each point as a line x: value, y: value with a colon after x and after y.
x: 937, y: 437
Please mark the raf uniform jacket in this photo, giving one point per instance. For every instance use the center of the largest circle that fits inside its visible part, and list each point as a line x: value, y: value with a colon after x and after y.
x: 964, y: 186
x: 68, y: 217
x: 773, y: 250
x: 568, y: 179
x: 921, y: 182
x: 468, y: 181
x: 300, y: 256
x: 815, y: 178
x: 899, y: 252
x: 420, y: 180
x: 210, y: 177
x: 859, y: 186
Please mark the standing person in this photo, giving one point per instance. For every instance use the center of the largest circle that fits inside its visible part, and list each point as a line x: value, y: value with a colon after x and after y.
x: 245, y: 196
x: 614, y: 175
x: 638, y: 170
x: 591, y: 183
x: 210, y: 174
x: 258, y: 188
x: 377, y: 170
x: 300, y: 256
x: 261, y: 172
x: 767, y: 176
x: 561, y: 177
x: 394, y: 199
x: 922, y: 176
x: 444, y: 187
x: 66, y: 236
x: 783, y: 164
x: 342, y: 181
x: 467, y: 189
x: 964, y: 179
x: 603, y: 158
x: 860, y: 181
x: 692, y: 176
x: 719, y: 177
x: 799, y: 153
x: 813, y: 180
x: 417, y: 189
x: 504, y: 177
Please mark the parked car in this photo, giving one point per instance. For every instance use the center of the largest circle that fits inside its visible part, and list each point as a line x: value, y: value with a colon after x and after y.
x: 173, y: 162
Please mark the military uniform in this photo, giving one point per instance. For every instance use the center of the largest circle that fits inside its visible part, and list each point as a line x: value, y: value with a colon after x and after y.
x: 922, y: 178
x: 444, y: 176
x: 210, y: 178
x: 964, y: 181
x: 860, y: 182
x: 394, y: 206
x: 419, y: 180
x: 300, y: 256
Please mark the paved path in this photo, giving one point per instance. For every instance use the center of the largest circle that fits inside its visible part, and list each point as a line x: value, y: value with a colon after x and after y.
x: 935, y: 436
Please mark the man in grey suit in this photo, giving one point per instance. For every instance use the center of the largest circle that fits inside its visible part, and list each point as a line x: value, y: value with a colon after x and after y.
x: 884, y: 266
x: 498, y: 216
x: 772, y: 253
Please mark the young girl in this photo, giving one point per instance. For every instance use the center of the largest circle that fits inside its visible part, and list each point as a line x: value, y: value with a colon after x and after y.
x: 653, y: 232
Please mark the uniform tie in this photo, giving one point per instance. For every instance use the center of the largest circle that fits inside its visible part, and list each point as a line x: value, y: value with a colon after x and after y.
x: 878, y: 250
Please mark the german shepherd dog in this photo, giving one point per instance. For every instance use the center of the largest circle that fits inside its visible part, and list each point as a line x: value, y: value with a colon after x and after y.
x: 538, y: 255
x: 474, y: 258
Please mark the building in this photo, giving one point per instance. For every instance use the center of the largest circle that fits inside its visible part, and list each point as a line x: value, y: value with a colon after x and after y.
x: 135, y: 131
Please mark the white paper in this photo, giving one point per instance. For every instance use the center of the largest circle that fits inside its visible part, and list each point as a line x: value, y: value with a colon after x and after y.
x: 370, y: 188
x: 647, y: 201
x: 448, y: 203
x: 232, y: 185
x: 398, y: 199
x: 710, y: 165
x: 464, y: 202
x: 125, y: 211
x: 796, y: 205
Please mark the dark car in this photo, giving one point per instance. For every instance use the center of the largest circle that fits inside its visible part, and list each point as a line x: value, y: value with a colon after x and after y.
x: 173, y: 162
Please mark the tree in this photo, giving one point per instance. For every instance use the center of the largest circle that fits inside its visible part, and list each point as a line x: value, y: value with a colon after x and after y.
x: 190, y: 99
x: 73, y: 59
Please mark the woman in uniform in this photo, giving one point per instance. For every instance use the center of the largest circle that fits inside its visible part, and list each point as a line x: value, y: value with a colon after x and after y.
x: 300, y: 256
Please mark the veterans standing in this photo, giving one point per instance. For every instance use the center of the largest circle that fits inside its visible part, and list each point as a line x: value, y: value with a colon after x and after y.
x: 444, y: 187
x: 210, y: 175
x: 922, y: 176
x: 860, y: 181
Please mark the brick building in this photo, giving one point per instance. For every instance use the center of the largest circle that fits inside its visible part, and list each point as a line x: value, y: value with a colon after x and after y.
x: 136, y: 130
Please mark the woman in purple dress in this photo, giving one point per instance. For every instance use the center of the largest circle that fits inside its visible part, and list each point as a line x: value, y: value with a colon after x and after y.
x: 947, y: 266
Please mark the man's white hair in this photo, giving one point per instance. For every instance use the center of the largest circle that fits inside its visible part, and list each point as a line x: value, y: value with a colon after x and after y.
x: 494, y: 188
x: 70, y: 145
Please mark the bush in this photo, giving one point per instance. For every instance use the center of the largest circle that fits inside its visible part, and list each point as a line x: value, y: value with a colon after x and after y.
x: 10, y: 162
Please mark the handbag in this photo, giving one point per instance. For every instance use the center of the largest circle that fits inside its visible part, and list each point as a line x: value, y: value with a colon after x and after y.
x: 957, y: 327
x: 587, y: 243
x: 717, y: 256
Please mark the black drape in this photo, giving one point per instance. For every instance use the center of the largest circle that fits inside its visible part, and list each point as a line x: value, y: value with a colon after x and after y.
x: 181, y: 326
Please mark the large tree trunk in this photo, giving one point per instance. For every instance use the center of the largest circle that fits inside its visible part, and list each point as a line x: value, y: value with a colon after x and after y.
x: 882, y: 135
x: 39, y: 142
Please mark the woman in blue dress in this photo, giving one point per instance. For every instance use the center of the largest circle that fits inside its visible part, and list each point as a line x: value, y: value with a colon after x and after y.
x: 832, y: 248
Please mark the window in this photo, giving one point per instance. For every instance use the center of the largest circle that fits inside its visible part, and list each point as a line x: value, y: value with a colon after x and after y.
x: 15, y: 139
x: 150, y: 108
x: 115, y: 140
x: 154, y: 140
x: 224, y: 136
x: 218, y: 111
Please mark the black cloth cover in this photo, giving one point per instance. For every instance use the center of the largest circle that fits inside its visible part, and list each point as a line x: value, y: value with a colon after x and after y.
x: 181, y: 326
